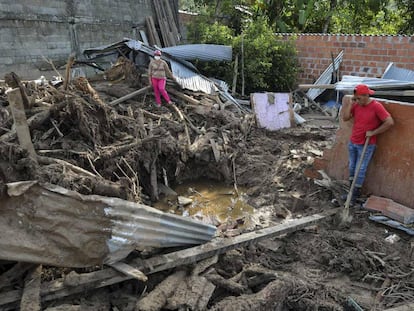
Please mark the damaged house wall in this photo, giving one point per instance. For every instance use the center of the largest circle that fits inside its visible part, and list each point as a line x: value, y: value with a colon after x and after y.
x: 31, y: 30
x: 391, y: 172
x: 364, y: 55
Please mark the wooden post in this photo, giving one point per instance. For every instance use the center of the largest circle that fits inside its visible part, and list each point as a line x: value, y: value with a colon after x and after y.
x: 236, y: 69
x: 31, y: 292
x: 22, y: 129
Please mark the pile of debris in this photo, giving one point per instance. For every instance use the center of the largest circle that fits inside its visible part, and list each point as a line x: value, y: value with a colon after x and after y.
x: 96, y: 154
x: 92, y: 144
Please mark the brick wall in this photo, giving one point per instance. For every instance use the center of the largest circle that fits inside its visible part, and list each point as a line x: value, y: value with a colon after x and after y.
x: 54, y: 29
x: 364, y: 55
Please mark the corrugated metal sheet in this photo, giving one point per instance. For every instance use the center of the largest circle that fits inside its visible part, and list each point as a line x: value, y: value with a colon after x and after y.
x: 48, y: 224
x: 206, y: 52
x: 186, y: 74
x: 139, y: 225
x: 394, y: 73
x: 325, y: 77
x: 348, y: 83
x: 190, y: 79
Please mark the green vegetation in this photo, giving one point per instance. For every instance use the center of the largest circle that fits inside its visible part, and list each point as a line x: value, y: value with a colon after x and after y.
x: 267, y: 64
x: 249, y: 26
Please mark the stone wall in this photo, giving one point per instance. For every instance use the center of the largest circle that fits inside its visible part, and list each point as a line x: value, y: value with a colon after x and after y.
x: 364, y: 55
x: 31, y: 31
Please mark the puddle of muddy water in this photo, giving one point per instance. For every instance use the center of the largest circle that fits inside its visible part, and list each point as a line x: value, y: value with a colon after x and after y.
x: 208, y: 199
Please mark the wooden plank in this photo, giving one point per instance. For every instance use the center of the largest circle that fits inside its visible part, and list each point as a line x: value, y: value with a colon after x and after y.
x: 172, y: 22
x: 395, y: 93
x: 129, y: 96
x: 20, y: 122
x: 317, y: 86
x: 154, y: 37
x: 216, y: 152
x: 185, y: 97
x: 88, y: 281
x: 31, y: 292
x: 144, y: 37
x: 130, y: 271
x: 222, y: 245
x: 160, y: 19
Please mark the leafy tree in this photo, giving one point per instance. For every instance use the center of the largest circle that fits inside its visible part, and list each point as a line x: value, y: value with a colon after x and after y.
x: 269, y: 64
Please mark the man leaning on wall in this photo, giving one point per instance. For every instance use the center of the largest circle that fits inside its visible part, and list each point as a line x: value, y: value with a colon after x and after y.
x: 369, y: 119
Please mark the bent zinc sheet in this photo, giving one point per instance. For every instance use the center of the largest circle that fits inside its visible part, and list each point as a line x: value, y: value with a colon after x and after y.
x: 325, y: 77
x: 48, y: 224
x: 205, y: 52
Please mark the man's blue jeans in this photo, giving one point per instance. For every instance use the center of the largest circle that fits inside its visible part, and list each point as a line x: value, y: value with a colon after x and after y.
x: 355, y: 152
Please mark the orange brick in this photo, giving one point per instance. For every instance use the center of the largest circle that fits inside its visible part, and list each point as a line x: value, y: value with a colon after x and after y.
x: 390, y: 209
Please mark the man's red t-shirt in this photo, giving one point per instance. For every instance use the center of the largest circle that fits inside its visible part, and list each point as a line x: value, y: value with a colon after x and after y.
x: 367, y: 118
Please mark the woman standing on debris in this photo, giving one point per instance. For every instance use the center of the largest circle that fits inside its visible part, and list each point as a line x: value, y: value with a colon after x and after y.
x: 157, y: 73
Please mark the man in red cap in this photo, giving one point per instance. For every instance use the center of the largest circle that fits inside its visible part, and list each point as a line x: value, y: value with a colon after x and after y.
x: 370, y: 119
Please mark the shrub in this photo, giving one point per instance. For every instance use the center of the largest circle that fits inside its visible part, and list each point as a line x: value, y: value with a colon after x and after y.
x: 270, y: 64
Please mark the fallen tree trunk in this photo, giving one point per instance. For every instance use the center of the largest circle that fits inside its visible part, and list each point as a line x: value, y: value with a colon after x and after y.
x: 157, y: 298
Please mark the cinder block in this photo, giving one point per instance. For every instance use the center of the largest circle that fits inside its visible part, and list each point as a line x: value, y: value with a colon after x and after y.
x: 390, y: 209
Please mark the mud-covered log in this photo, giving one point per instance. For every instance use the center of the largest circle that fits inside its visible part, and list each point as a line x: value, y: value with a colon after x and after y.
x: 157, y: 298
x: 193, y: 293
x: 272, y: 297
x: 8, y: 278
x: 31, y: 292
x: 227, y: 284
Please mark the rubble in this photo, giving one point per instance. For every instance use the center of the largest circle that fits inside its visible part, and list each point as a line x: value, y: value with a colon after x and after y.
x: 105, y: 139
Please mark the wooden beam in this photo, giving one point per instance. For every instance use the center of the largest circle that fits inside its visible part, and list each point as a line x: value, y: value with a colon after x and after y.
x: 130, y: 271
x: 88, y: 281
x: 31, y: 292
x: 129, y: 96
x: 185, y: 97
x: 19, y: 116
x: 317, y: 86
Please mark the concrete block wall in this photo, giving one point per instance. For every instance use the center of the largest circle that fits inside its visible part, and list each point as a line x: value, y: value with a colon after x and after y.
x: 364, y: 55
x: 31, y: 30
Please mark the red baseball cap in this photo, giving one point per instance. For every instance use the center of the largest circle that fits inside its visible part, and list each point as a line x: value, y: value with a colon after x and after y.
x: 363, y: 89
x: 157, y: 53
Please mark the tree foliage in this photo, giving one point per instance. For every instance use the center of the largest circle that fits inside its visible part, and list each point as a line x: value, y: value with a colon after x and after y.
x: 321, y: 16
x: 268, y: 64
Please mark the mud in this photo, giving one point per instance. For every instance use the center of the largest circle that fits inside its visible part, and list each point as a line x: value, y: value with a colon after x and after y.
x: 126, y: 147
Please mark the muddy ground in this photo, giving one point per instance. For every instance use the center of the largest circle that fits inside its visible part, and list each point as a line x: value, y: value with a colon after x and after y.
x: 133, y: 146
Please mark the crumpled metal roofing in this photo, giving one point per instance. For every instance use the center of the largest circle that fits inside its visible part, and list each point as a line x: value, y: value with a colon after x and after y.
x: 65, y: 228
x: 348, y: 83
x: 206, y: 52
x: 186, y: 74
x: 395, y: 73
x: 325, y: 77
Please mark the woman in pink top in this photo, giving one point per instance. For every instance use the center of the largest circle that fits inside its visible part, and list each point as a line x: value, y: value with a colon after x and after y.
x: 157, y: 73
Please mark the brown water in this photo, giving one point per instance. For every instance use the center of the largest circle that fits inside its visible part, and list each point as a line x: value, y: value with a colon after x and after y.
x: 209, y: 200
